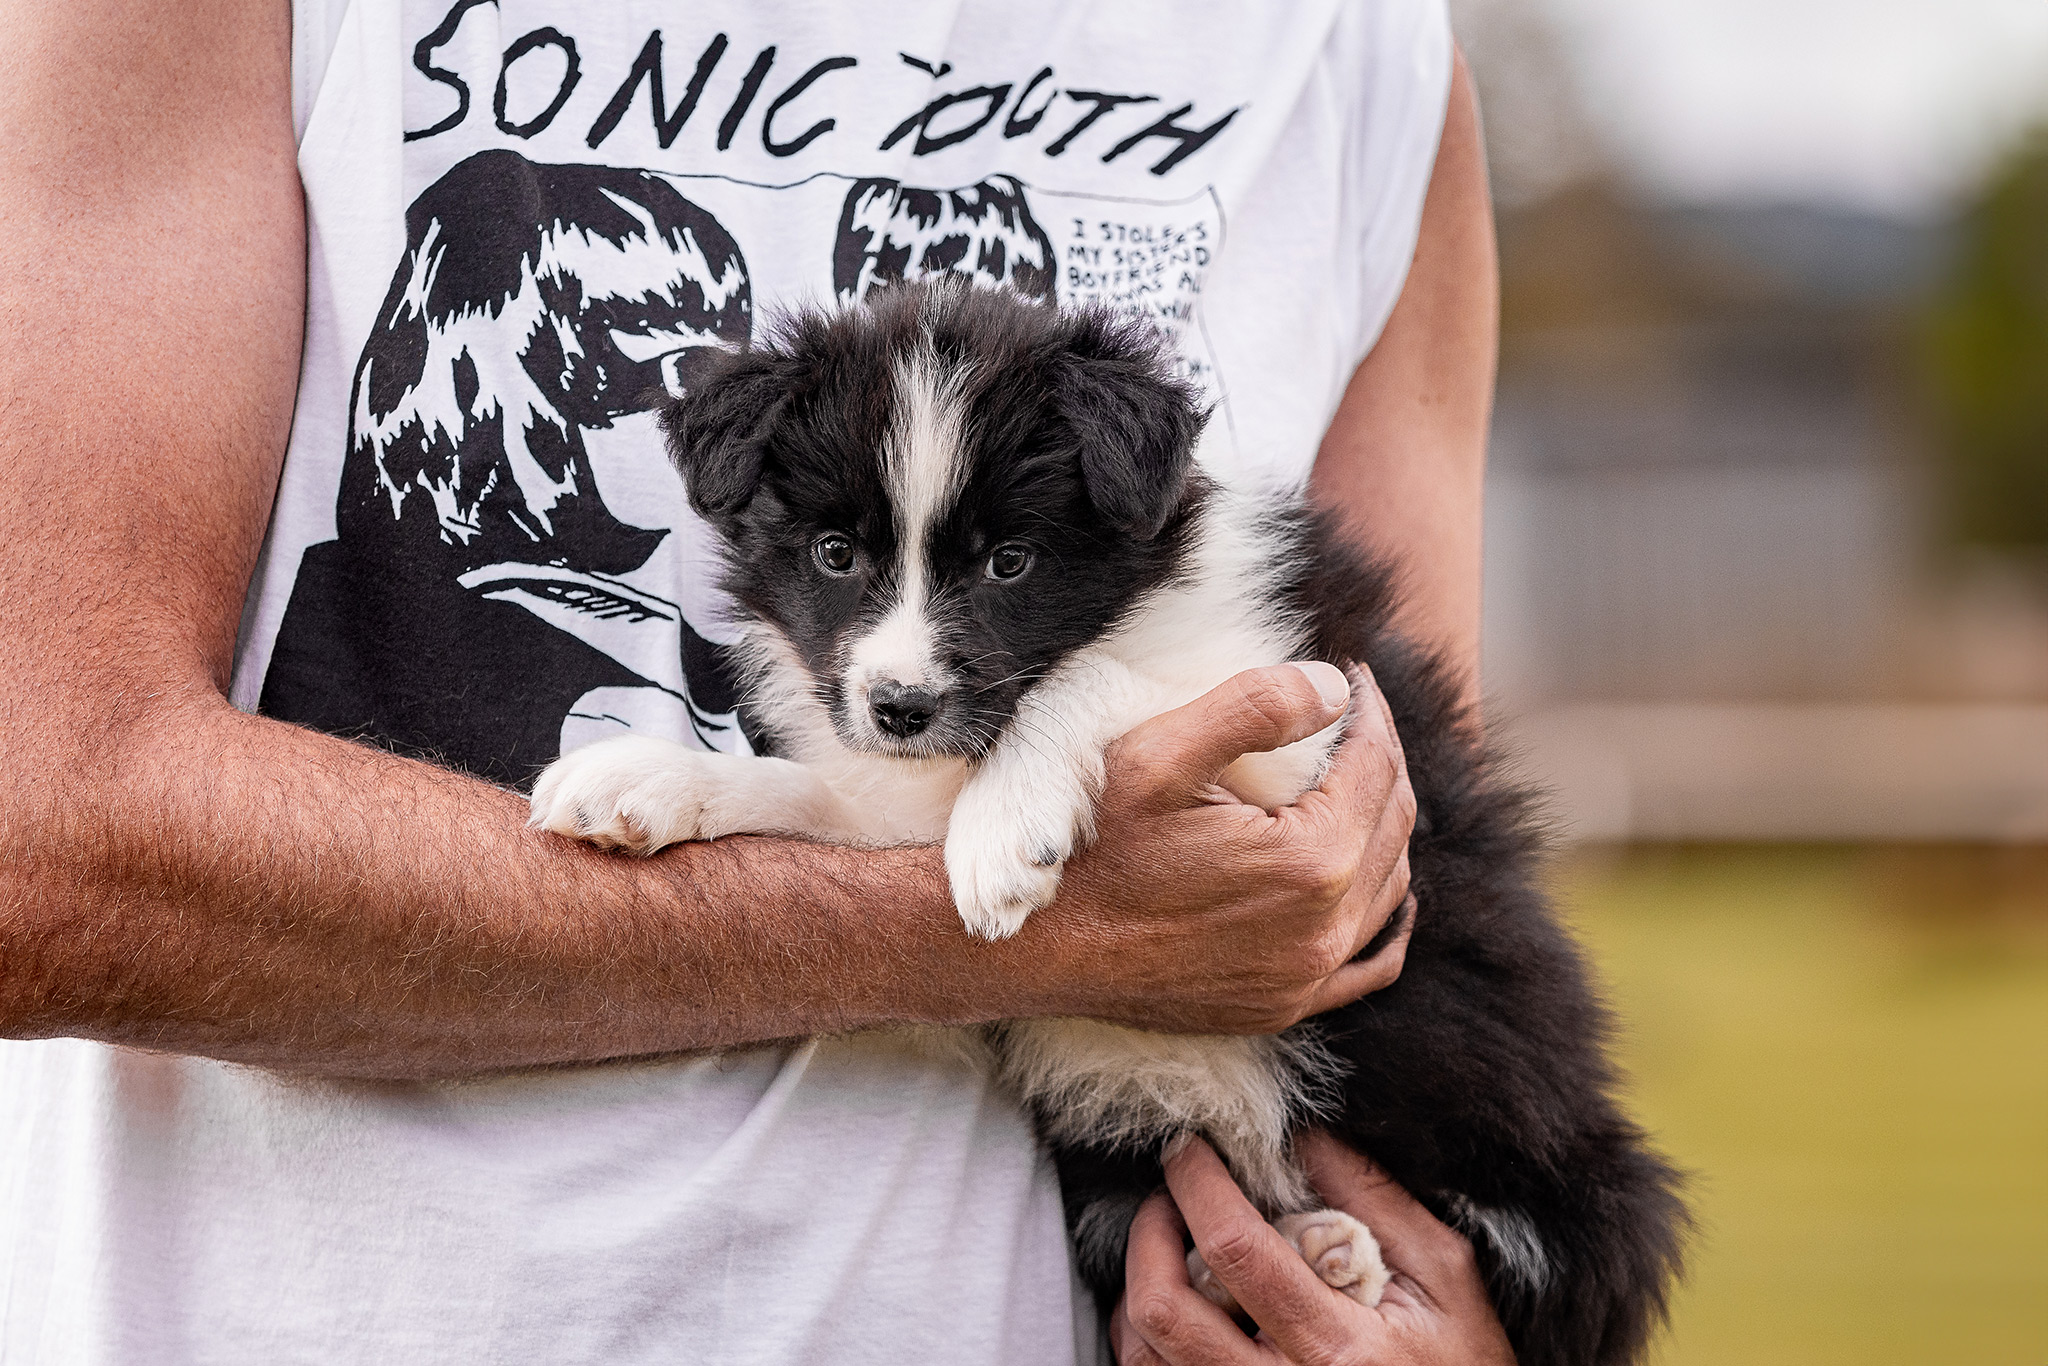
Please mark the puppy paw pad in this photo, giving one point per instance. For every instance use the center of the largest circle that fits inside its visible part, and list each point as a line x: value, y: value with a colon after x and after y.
x: 1340, y: 1249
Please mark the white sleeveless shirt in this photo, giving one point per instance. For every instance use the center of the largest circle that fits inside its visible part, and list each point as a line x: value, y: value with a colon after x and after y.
x: 517, y: 209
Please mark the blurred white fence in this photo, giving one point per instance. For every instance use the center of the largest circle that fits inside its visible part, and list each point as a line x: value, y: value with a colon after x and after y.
x: 1694, y: 636
x: 1792, y: 771
x: 1691, y: 581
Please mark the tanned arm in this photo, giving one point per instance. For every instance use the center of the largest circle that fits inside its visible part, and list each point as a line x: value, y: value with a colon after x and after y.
x: 1404, y: 460
x: 176, y: 874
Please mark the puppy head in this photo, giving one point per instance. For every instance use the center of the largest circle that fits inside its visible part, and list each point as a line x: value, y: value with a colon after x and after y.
x: 936, y: 497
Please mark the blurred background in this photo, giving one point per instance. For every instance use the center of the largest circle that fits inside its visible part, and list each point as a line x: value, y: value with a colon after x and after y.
x: 1767, y: 609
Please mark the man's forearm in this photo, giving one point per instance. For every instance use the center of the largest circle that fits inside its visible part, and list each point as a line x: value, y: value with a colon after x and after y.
x: 184, y: 877
x: 239, y: 888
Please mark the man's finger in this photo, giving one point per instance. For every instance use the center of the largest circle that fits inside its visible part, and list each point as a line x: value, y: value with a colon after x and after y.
x: 1388, y: 904
x: 1412, y: 1239
x: 1126, y: 1347
x: 1290, y: 1303
x: 1368, y: 777
x: 1248, y: 713
x: 1367, y: 975
x: 1162, y: 1318
x: 1360, y: 673
x: 1384, y: 931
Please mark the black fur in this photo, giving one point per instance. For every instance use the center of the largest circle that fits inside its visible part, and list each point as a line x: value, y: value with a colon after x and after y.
x: 1135, y: 438
x: 1480, y: 1075
x: 1479, y: 1078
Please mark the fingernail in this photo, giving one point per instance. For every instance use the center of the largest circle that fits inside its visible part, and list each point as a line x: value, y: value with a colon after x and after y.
x: 1174, y: 1146
x: 1331, y: 684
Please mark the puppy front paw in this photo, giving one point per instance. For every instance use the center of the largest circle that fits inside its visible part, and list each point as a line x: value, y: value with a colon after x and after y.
x: 1004, y: 858
x: 994, y: 889
x: 635, y: 793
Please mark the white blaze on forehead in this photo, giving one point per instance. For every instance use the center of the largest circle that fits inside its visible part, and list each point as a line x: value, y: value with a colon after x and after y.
x: 922, y: 457
x: 922, y: 464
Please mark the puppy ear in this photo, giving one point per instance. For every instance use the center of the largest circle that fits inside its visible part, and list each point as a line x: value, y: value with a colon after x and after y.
x: 1136, y: 429
x: 721, y: 407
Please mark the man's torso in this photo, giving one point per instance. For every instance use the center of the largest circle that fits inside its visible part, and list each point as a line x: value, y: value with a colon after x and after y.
x: 479, y: 554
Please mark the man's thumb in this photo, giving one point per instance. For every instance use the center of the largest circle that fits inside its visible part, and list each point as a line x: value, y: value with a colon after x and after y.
x: 1251, y: 712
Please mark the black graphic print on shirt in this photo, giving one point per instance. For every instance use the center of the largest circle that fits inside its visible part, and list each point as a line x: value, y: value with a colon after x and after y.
x: 888, y: 230
x: 472, y: 540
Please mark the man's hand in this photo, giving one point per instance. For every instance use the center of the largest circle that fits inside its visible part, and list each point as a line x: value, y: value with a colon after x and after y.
x: 1195, y: 912
x: 1435, y: 1311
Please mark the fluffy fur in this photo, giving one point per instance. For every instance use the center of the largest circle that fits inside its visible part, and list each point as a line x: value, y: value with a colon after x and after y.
x: 972, y: 545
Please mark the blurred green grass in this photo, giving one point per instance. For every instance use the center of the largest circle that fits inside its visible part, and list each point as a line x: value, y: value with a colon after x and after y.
x: 1848, y: 1049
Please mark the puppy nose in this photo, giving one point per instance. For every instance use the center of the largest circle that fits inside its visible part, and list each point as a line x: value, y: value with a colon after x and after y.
x: 902, y: 711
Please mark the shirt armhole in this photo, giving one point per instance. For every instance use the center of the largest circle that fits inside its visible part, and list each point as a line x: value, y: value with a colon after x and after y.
x: 316, y: 27
x: 1398, y: 124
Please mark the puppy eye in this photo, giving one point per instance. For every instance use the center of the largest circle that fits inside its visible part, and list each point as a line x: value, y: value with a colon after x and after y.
x: 833, y: 553
x: 1009, y: 561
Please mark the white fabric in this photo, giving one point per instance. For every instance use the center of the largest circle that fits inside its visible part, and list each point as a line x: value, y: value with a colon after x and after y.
x: 848, y: 1201
x: 833, y: 1202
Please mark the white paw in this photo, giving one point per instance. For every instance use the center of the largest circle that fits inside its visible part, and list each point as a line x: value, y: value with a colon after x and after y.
x: 1339, y: 1249
x: 1342, y: 1251
x: 634, y: 793
x: 997, y: 886
x: 1004, y: 857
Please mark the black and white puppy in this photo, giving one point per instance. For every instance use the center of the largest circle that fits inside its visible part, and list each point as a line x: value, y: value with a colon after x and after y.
x: 970, y: 545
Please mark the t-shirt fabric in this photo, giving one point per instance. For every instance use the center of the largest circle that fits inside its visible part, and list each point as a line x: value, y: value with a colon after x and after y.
x: 520, y: 213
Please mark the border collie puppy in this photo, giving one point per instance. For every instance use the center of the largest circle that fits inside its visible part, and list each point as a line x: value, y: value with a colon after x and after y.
x: 970, y: 546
